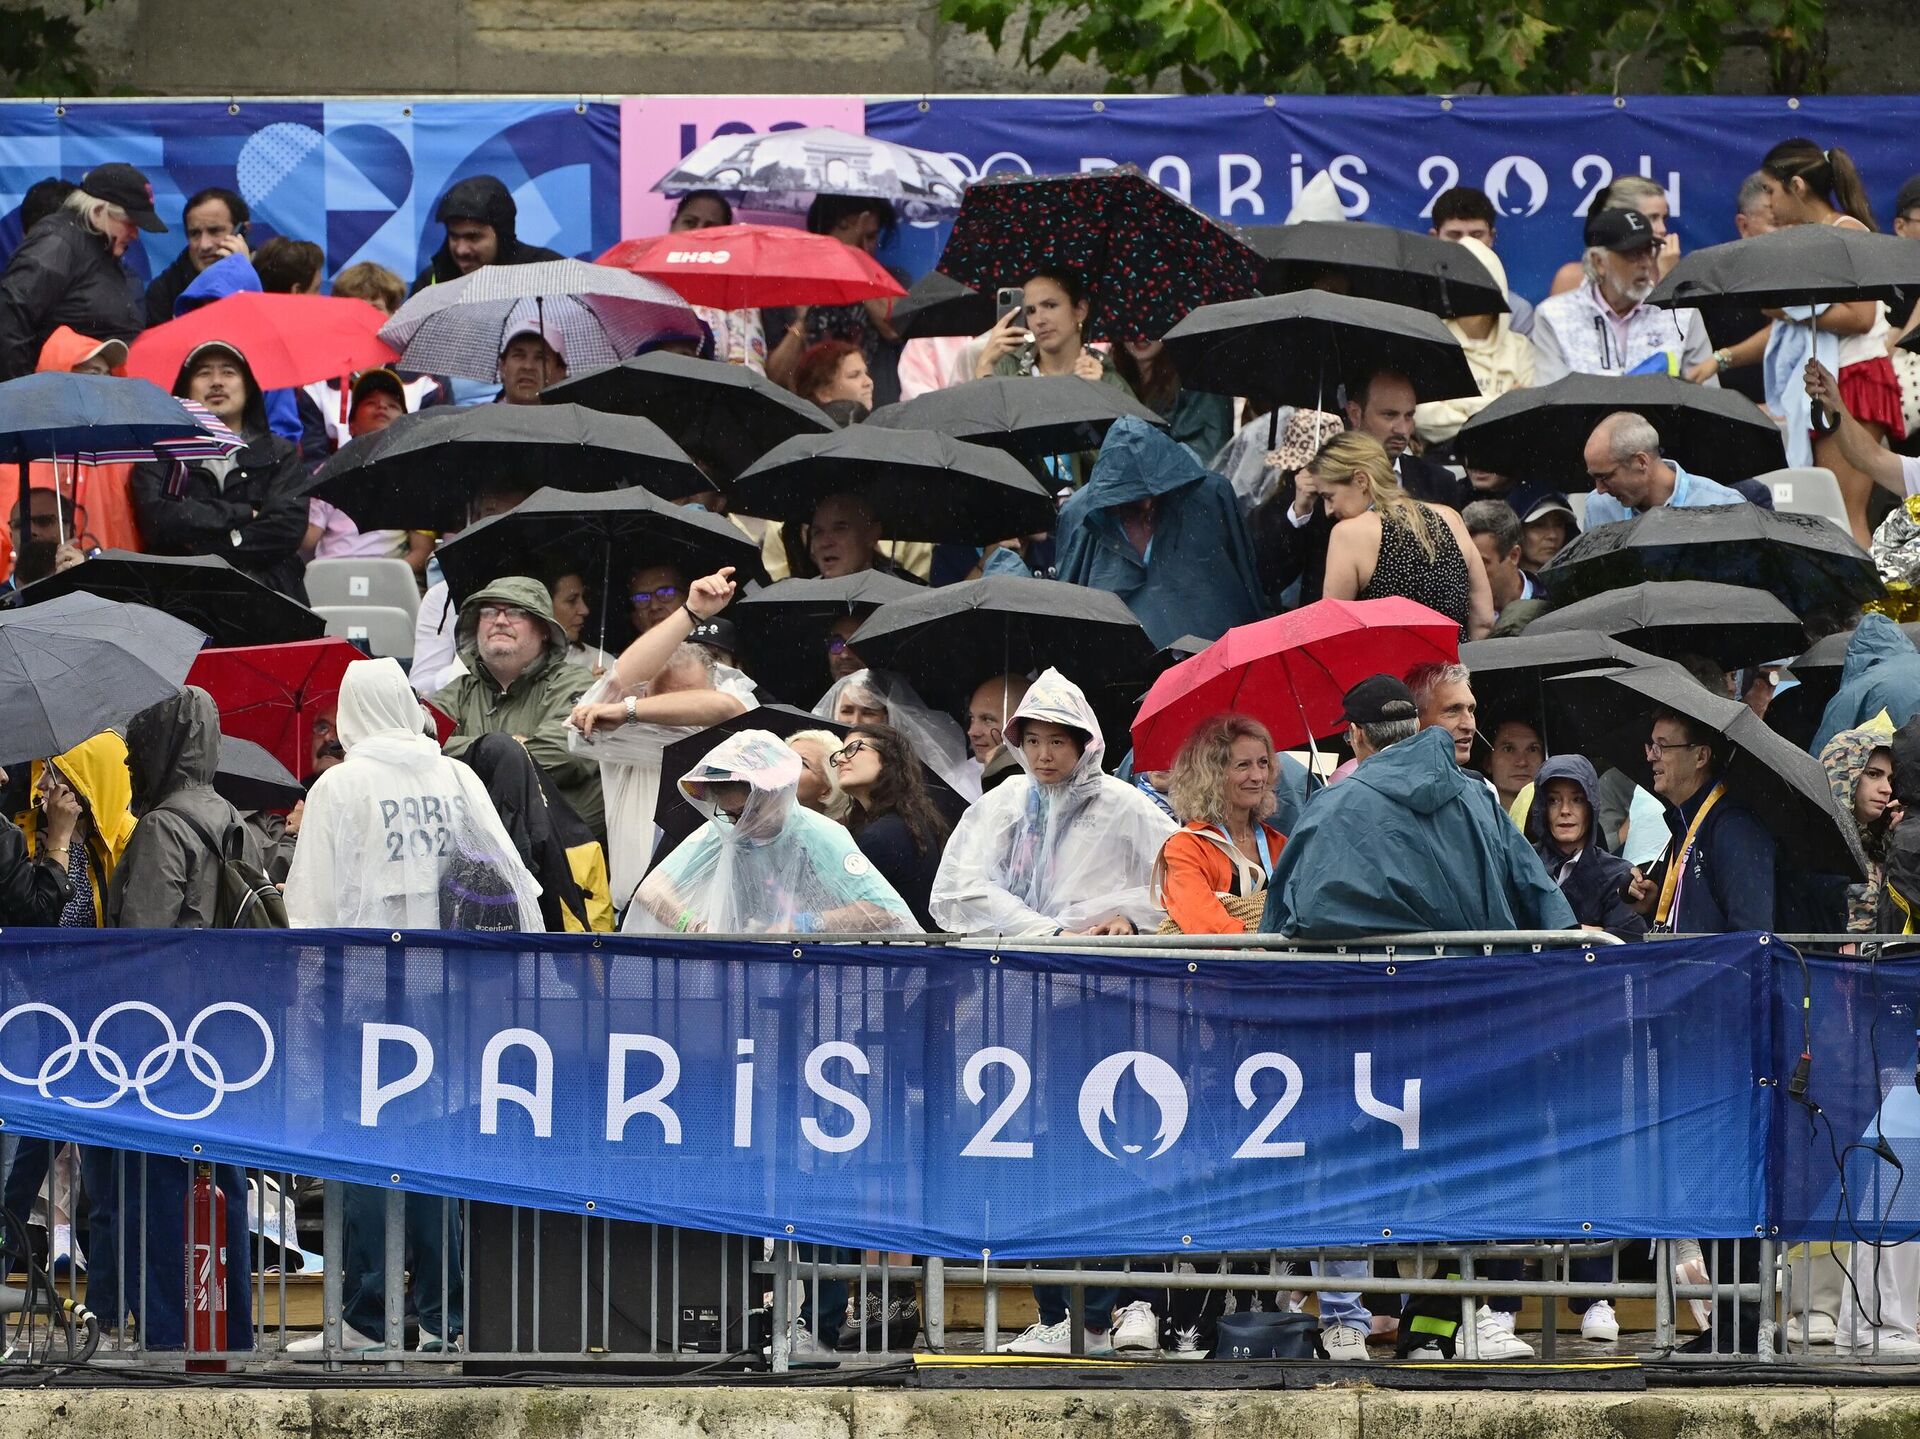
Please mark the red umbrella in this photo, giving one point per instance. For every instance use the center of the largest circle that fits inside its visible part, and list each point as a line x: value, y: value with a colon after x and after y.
x: 272, y: 694
x: 288, y: 340
x: 1289, y: 672
x: 741, y: 267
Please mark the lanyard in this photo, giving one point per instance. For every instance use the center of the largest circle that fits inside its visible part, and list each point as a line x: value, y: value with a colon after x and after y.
x: 1670, y: 888
x: 1260, y: 842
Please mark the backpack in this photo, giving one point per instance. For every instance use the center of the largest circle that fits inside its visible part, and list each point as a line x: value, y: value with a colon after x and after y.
x: 244, y: 898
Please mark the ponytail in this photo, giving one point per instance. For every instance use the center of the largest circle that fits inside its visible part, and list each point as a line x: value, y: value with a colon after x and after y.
x: 1830, y: 174
x: 1848, y: 188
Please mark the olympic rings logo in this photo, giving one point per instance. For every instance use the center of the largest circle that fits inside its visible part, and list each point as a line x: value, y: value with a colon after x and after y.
x: 155, y: 1066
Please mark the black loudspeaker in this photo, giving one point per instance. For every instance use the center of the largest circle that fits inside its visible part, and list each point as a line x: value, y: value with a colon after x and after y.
x: 645, y: 1290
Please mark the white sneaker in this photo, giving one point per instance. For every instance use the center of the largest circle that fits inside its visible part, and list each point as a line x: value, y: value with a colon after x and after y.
x: 1497, y: 1339
x: 1820, y: 1329
x: 1344, y: 1343
x: 803, y: 1345
x: 351, y: 1340
x: 1423, y: 1353
x: 1891, y: 1346
x: 1136, y: 1332
x: 427, y: 1342
x: 1186, y: 1345
x: 1039, y: 1338
x: 1599, y: 1323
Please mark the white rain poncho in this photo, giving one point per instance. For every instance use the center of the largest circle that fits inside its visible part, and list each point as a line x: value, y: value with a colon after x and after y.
x: 398, y: 836
x: 776, y: 868
x: 1034, y: 858
x: 629, y: 758
x: 937, y: 738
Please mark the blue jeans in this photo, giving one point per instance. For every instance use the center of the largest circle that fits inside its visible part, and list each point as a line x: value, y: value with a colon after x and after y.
x: 161, y: 1309
x: 833, y: 1292
x: 25, y: 1169
x: 363, y: 1274
x: 1343, y: 1308
x: 1054, y: 1300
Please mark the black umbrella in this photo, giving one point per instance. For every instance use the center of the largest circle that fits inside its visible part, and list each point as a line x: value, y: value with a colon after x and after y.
x: 1608, y: 715
x: 606, y: 536
x: 1510, y: 675
x: 1733, y: 625
x: 1540, y: 433
x: 783, y: 628
x: 1798, y: 265
x: 74, y: 665
x: 248, y: 777
x: 921, y: 486
x: 946, y: 641
x: 677, y: 819
x: 725, y: 416
x: 1031, y: 416
x: 937, y: 304
x: 1377, y: 262
x: 423, y: 471
x: 1795, y: 711
x: 1298, y: 349
x: 204, y: 590
x: 1806, y: 562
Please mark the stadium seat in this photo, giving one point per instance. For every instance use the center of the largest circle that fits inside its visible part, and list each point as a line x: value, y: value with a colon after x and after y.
x: 384, y: 629
x: 362, y: 582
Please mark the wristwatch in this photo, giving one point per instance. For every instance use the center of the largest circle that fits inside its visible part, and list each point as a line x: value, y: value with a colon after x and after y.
x: 633, y: 714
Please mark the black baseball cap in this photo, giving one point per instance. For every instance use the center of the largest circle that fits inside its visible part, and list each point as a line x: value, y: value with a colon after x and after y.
x: 1378, y: 699
x: 1620, y: 230
x: 1909, y: 197
x: 715, y: 634
x: 126, y: 187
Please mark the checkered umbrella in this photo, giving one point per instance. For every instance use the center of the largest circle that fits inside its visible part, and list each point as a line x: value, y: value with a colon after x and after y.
x: 785, y: 169
x: 593, y: 314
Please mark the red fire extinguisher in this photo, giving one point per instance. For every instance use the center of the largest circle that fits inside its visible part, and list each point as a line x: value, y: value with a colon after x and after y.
x: 206, y: 1276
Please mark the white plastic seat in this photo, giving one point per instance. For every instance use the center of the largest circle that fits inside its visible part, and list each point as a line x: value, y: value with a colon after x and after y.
x: 385, y: 629
x: 364, y: 582
x: 1810, y: 490
x: 1577, y: 502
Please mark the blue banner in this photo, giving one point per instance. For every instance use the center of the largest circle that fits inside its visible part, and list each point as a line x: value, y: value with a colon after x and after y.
x: 1246, y: 158
x: 928, y: 1100
x: 360, y: 178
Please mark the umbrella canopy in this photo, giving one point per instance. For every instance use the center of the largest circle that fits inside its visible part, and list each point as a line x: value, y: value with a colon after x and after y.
x: 607, y: 536
x: 1829, y: 655
x: 921, y: 486
x: 74, y: 665
x: 232, y: 608
x: 1298, y: 349
x: 1806, y: 562
x: 103, y: 419
x: 740, y: 267
x: 1290, y: 672
x: 601, y: 314
x: 946, y: 641
x: 783, y: 628
x: 272, y: 694
x: 288, y: 340
x: 1540, y: 433
x: 1510, y: 675
x: 1733, y: 625
x: 785, y: 169
x: 1146, y: 256
x: 1607, y: 715
x: 1797, y: 265
x: 725, y: 416
x: 1813, y: 679
x: 940, y: 305
x: 424, y: 470
x: 1379, y: 262
x: 1031, y: 416
x: 249, y: 778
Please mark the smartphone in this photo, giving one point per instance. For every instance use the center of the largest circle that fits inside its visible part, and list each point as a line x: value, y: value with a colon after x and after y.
x: 1010, y: 297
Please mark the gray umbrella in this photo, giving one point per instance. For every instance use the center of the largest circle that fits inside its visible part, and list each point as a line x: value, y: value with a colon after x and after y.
x: 78, y: 664
x: 248, y: 777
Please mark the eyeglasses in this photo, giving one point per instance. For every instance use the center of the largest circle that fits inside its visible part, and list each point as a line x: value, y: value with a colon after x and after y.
x: 1655, y: 746
x: 503, y: 612
x: 663, y: 594
x: 836, y: 645
x: 847, y: 752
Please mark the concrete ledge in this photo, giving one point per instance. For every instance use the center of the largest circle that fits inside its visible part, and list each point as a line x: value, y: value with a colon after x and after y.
x: 785, y: 1413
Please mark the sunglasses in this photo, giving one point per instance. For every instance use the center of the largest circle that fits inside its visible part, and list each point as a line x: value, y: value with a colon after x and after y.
x: 836, y: 645
x: 847, y: 752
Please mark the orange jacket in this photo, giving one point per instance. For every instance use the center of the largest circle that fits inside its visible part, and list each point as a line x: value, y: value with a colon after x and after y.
x: 100, y: 493
x: 1194, y: 869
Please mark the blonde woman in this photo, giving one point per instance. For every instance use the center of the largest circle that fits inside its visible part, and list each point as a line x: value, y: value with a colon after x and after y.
x: 1385, y: 542
x: 1212, y: 875
x: 819, y: 783
x: 67, y: 271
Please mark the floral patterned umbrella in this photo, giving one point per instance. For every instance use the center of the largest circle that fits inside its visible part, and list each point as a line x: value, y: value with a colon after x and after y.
x: 1145, y: 256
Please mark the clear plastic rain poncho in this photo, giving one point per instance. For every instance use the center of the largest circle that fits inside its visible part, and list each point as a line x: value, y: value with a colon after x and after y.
x: 398, y: 836
x: 629, y: 759
x: 935, y: 737
x: 761, y: 863
x: 1034, y: 858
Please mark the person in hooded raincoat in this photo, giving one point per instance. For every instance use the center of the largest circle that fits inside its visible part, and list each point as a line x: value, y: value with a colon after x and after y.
x: 554, y: 843
x: 1409, y: 842
x: 1594, y: 881
x: 761, y: 862
x: 478, y: 200
x: 1881, y: 672
x: 1165, y: 534
x: 884, y: 697
x: 169, y: 878
x: 1859, y: 766
x: 1062, y: 849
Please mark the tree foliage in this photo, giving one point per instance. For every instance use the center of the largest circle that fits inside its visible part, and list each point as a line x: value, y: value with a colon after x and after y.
x: 1502, y: 47
x: 43, y: 53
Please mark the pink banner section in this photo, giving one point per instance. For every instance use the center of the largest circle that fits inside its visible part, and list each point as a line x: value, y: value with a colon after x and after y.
x: 657, y: 131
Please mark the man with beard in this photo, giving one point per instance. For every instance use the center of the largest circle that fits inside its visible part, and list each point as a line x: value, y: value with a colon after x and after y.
x: 1606, y: 327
